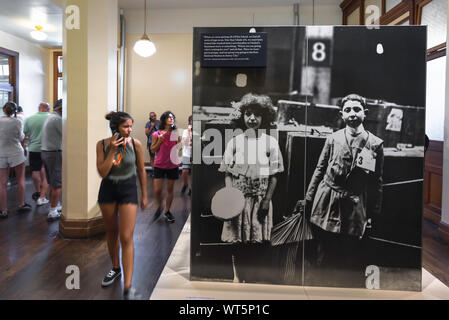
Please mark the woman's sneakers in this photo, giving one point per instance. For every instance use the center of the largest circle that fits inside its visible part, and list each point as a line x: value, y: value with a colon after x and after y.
x: 157, y: 214
x: 111, y: 277
x: 184, y: 188
x: 169, y: 216
x: 24, y: 207
x: 3, y: 214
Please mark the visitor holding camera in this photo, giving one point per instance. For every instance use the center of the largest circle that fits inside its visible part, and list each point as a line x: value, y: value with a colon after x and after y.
x: 119, y: 159
x: 166, y: 163
x: 11, y: 156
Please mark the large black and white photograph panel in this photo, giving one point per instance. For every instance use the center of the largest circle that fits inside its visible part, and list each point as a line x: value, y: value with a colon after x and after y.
x: 308, y: 156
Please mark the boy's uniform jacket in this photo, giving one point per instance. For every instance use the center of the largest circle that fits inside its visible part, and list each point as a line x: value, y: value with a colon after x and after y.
x: 344, y: 195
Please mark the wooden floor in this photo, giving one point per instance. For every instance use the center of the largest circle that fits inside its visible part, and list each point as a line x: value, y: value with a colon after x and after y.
x: 435, y: 253
x: 34, y: 257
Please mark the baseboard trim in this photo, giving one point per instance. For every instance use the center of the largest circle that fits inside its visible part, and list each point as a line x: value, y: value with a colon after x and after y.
x: 434, y: 217
x: 81, y: 229
x: 443, y: 231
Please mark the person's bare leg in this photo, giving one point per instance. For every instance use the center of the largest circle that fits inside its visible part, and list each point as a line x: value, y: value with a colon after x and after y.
x: 20, y: 176
x: 44, y: 183
x: 158, y: 184
x: 110, y: 218
x: 55, y: 194
x: 127, y: 214
x: 185, y: 177
x: 169, y: 198
x: 3, y: 181
x: 36, y: 176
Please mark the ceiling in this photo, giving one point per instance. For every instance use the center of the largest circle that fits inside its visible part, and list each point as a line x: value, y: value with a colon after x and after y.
x: 195, y: 4
x: 19, y: 17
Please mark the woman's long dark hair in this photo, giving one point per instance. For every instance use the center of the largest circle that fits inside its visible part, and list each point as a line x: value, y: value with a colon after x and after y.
x: 163, y: 120
x: 10, y: 108
x: 116, y: 119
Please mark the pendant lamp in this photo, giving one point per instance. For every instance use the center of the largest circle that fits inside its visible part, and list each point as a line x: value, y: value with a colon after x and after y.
x: 144, y: 47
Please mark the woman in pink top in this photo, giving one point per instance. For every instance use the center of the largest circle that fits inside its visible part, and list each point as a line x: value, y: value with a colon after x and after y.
x: 166, y: 162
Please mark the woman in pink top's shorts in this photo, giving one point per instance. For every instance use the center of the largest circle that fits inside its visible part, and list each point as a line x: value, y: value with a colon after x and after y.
x: 166, y: 162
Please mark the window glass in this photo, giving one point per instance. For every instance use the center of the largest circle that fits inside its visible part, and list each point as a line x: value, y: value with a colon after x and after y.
x: 4, y: 97
x: 4, y: 69
x: 390, y: 4
x: 60, y: 65
x: 436, y: 80
x: 60, y: 84
x: 435, y: 17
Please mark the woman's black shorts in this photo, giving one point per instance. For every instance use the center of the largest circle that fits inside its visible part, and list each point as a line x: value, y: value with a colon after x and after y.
x: 172, y: 174
x: 122, y: 191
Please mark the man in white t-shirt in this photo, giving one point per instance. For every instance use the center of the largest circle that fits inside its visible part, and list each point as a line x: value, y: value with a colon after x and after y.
x: 186, y: 155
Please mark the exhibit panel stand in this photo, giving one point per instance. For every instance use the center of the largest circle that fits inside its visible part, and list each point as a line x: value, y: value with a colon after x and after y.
x: 312, y: 140
x: 174, y: 284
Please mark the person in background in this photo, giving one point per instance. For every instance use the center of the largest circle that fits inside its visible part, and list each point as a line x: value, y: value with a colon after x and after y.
x: 51, y: 154
x: 33, y: 133
x: 11, y: 156
x: 151, y: 127
x: 166, y: 162
x: 20, y: 114
x: 119, y: 159
x: 186, y: 155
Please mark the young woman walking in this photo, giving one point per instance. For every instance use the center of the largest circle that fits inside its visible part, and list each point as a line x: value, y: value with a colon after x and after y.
x: 166, y: 163
x: 119, y: 159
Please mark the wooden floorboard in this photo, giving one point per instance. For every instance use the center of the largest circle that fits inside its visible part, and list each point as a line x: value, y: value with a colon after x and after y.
x: 34, y: 257
x: 435, y: 252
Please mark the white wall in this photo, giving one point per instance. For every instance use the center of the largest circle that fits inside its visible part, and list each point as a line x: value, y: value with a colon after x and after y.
x: 33, y: 68
x: 183, y: 20
x: 436, y: 80
x: 445, y: 199
x: 325, y: 14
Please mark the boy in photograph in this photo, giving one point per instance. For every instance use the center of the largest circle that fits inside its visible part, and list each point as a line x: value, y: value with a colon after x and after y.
x: 345, y: 191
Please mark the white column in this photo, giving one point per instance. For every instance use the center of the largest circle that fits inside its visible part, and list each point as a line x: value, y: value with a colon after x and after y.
x: 90, y: 90
x: 445, y: 192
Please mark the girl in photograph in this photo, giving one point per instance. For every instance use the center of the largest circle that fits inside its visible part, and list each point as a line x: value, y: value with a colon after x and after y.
x: 166, y: 162
x: 12, y: 156
x: 251, y: 161
x: 119, y: 159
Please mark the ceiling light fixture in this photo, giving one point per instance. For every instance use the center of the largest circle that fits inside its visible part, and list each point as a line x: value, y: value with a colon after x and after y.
x: 38, y: 34
x: 144, y: 47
